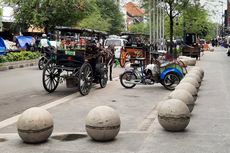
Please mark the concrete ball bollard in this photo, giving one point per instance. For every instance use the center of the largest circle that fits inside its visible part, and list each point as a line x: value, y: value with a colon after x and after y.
x: 196, y: 72
x: 103, y: 123
x: 192, y: 81
x: 160, y: 103
x: 199, y: 69
x: 191, y: 61
x: 211, y: 50
x: 35, y: 125
x: 184, y: 96
x: 173, y: 115
x: 185, y: 61
x: 195, y: 76
x: 188, y: 87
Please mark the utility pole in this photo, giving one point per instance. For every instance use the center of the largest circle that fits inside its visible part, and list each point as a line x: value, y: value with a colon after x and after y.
x: 157, y: 22
x: 222, y: 19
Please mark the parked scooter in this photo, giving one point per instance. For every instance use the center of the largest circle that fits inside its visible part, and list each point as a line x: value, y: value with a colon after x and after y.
x: 168, y: 74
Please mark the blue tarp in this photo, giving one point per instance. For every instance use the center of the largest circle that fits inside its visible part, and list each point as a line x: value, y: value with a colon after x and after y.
x: 2, y: 46
x: 23, y: 41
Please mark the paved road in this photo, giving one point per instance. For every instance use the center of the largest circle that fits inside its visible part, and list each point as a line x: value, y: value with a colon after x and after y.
x: 22, y: 88
x: 208, y: 130
x: 137, y: 112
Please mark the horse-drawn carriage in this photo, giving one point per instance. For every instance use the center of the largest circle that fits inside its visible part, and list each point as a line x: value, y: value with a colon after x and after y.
x: 78, y: 61
x: 191, y: 47
x: 136, y: 47
x: 145, y: 66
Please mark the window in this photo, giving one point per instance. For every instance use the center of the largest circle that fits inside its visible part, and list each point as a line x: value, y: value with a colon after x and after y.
x: 113, y: 42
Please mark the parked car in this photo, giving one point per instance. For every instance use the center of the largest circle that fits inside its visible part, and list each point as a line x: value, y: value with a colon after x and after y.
x: 118, y: 44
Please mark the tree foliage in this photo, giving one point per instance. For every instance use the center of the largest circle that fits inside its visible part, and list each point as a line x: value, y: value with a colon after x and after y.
x: 142, y: 28
x: 50, y: 13
x: 99, y: 14
x: 195, y: 19
x: 95, y: 21
x: 111, y: 13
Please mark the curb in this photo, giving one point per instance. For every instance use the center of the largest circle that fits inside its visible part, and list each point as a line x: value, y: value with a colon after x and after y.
x: 18, y: 64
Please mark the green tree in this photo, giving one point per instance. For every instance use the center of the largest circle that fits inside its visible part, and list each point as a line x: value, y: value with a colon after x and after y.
x: 194, y: 19
x: 50, y: 13
x: 173, y: 9
x: 200, y: 23
x: 142, y: 28
x: 95, y: 21
x: 109, y: 11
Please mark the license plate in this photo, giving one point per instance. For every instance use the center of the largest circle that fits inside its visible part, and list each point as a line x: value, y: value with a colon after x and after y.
x: 70, y: 53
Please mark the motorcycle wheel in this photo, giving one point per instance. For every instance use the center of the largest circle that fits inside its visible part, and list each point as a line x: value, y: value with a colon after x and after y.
x: 170, y: 81
x: 128, y: 76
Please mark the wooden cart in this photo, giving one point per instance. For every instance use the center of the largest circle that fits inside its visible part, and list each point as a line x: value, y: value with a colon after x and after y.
x: 76, y: 61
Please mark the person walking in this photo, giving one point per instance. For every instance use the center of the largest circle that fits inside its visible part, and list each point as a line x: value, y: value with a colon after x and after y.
x: 44, y: 42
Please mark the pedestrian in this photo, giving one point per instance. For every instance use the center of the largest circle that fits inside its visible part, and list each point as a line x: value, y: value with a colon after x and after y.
x: 213, y: 42
x: 44, y: 43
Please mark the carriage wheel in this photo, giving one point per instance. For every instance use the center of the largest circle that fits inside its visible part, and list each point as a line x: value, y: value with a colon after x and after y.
x: 50, y: 77
x: 104, y: 76
x: 123, y: 57
x: 42, y: 62
x: 85, y: 79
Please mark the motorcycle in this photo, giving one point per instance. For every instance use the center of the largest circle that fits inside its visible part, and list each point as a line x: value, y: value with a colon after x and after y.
x: 168, y: 74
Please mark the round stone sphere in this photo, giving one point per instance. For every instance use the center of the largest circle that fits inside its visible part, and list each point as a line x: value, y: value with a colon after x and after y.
x: 199, y: 69
x: 102, y: 123
x: 184, y: 96
x: 192, y: 81
x: 35, y: 125
x: 192, y: 62
x: 160, y: 103
x: 195, y: 76
x: 197, y: 72
x: 173, y: 115
x: 188, y: 87
x: 185, y: 61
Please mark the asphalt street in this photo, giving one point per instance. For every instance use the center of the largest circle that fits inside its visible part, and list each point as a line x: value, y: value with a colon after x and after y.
x: 207, y: 132
x: 22, y: 88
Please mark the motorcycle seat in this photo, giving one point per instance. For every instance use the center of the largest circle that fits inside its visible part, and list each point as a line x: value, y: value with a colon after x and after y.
x: 135, y: 65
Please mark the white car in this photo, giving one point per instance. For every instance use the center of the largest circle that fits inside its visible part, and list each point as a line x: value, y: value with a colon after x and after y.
x: 117, y: 43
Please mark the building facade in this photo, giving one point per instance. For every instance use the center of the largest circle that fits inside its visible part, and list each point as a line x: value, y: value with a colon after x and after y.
x: 227, y: 17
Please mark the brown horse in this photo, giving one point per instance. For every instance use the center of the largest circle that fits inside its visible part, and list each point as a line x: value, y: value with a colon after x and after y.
x: 108, y: 58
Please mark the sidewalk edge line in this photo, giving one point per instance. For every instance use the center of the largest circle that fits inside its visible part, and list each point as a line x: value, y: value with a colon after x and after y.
x: 14, y: 119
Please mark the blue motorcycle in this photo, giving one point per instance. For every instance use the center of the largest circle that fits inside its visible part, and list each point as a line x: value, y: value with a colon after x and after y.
x: 168, y: 74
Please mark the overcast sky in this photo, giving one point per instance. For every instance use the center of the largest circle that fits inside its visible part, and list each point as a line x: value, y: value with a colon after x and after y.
x: 215, y: 8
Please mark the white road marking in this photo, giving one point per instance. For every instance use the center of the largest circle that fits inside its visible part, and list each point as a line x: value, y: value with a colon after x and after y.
x: 66, y: 133
x: 14, y: 119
